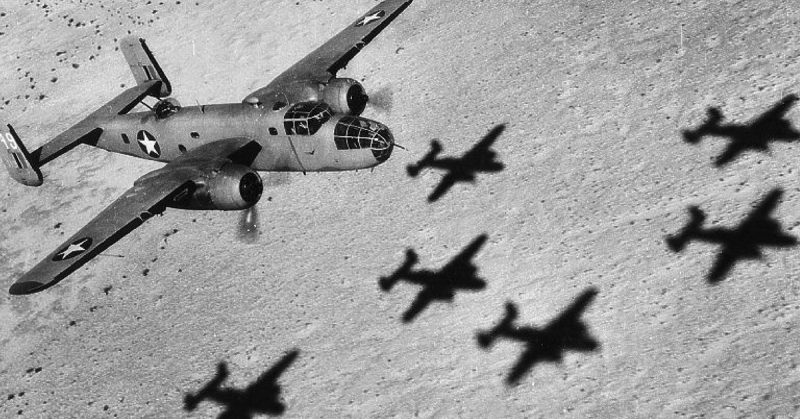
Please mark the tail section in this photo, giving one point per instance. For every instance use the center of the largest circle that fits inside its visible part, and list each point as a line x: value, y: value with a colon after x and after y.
x: 18, y: 161
x: 677, y: 242
x: 143, y: 64
x: 414, y: 169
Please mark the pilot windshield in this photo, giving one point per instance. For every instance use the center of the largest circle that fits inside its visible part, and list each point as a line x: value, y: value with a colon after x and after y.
x: 306, y: 118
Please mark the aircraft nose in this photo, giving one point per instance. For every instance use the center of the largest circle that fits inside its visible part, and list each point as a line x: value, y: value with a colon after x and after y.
x: 382, y: 144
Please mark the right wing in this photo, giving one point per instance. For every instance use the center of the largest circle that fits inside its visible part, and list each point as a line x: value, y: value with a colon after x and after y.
x: 149, y: 195
x: 323, y: 63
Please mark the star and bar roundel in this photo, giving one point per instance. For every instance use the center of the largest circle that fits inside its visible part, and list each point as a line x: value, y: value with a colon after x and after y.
x: 73, y: 249
x: 148, y: 144
x: 366, y: 20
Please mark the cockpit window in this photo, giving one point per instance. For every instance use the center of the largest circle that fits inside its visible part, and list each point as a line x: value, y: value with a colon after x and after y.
x: 306, y: 118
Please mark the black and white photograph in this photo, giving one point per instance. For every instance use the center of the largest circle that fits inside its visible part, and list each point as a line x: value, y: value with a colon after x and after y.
x: 244, y: 209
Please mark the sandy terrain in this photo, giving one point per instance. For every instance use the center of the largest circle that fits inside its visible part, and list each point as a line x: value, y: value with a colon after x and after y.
x: 596, y: 175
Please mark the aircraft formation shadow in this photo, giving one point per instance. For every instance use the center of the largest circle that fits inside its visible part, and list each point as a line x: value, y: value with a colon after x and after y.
x: 547, y: 344
x: 458, y: 274
x: 479, y: 159
x: 742, y: 242
x: 755, y: 135
x: 260, y: 397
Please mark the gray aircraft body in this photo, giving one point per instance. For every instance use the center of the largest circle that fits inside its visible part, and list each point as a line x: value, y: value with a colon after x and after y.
x: 305, y: 120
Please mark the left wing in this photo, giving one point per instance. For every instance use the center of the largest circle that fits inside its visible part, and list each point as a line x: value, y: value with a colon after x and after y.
x: 323, y: 63
x: 149, y: 195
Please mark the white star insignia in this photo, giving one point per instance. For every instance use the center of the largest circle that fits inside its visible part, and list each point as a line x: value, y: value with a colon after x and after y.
x: 366, y: 20
x: 74, y: 248
x: 149, y: 144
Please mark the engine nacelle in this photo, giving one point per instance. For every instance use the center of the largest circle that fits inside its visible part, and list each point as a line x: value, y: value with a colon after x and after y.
x: 228, y: 187
x: 345, y: 96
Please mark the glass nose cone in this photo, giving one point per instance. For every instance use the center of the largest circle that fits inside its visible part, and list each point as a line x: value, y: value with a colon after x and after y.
x: 382, y: 144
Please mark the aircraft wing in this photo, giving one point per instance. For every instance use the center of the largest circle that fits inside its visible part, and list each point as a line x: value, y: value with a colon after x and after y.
x: 571, y: 316
x: 323, y: 63
x: 121, y: 104
x: 148, y: 196
x: 777, y: 111
x: 764, y: 209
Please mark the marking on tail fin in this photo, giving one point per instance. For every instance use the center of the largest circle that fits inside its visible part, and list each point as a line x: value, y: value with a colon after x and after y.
x: 18, y: 162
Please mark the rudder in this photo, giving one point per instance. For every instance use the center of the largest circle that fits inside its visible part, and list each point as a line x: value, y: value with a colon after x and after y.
x: 143, y: 64
x: 18, y: 161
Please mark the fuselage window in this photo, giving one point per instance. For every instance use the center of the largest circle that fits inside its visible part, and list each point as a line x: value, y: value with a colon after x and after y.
x: 125, y: 139
x: 181, y: 148
x: 352, y: 142
x: 195, y: 134
x: 341, y: 143
x: 273, y: 131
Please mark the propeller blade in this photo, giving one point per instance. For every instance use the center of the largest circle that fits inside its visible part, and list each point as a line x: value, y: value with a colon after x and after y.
x: 248, y: 225
x: 381, y: 100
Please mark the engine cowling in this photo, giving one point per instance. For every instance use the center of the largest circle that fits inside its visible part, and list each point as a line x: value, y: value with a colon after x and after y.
x: 228, y: 187
x: 345, y: 96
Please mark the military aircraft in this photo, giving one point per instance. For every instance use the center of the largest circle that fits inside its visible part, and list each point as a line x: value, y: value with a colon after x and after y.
x: 262, y: 396
x: 463, y: 169
x: 566, y: 332
x: 755, y: 135
x: 305, y: 120
x: 459, y: 273
x: 742, y: 242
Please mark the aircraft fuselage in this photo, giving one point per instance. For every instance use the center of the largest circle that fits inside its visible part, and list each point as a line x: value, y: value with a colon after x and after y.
x: 309, y: 139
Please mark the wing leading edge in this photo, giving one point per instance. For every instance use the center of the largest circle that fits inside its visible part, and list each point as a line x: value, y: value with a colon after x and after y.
x: 148, y: 196
x: 324, y: 62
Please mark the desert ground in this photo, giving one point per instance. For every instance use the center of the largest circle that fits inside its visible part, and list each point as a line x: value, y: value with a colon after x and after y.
x: 590, y: 103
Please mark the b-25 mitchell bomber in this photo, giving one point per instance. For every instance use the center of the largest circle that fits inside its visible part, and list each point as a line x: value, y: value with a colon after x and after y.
x: 305, y: 120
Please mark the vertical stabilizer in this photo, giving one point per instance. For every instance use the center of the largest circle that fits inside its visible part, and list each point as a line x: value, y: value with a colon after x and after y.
x: 17, y: 159
x: 143, y: 64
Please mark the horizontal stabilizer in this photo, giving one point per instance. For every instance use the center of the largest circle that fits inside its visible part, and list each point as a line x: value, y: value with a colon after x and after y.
x: 18, y: 161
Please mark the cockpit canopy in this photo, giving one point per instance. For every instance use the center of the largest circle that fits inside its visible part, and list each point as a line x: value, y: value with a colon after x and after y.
x: 305, y: 118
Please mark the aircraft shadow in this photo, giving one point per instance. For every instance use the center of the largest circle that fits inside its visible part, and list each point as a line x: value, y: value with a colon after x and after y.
x: 479, y: 159
x: 442, y: 285
x: 742, y: 242
x: 547, y: 344
x: 260, y: 397
x: 755, y: 135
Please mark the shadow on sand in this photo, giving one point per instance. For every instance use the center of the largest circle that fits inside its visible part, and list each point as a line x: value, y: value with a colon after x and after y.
x: 564, y: 333
x: 260, y: 397
x: 754, y: 135
x: 458, y: 274
x: 462, y: 169
x: 742, y: 242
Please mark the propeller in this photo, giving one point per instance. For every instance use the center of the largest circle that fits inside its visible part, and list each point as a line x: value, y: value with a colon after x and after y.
x: 381, y: 100
x: 247, y: 231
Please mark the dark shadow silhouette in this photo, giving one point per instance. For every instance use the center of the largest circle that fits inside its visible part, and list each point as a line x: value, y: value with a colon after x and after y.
x: 564, y: 333
x: 754, y: 135
x: 462, y: 169
x: 743, y: 242
x: 458, y: 274
x: 260, y: 397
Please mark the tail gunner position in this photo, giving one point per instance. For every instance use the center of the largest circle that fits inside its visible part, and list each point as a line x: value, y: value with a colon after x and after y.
x: 305, y: 120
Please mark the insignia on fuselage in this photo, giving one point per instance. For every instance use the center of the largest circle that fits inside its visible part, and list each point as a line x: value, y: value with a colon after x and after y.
x: 148, y: 144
